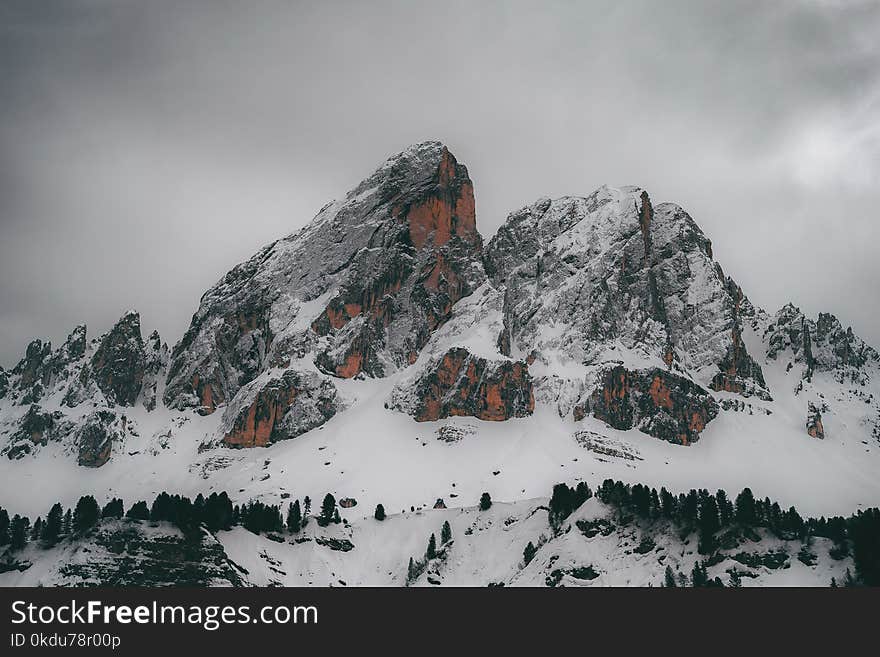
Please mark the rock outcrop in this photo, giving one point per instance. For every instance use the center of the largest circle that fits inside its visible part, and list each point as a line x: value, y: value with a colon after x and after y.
x: 461, y: 384
x: 657, y: 402
x: 37, y: 424
x: 820, y: 345
x: 30, y: 369
x: 585, y: 277
x: 155, y: 364
x: 815, y: 429
x: 738, y: 372
x: 359, y: 290
x: 277, y: 408
x: 35, y: 429
x: 95, y: 438
x: 118, y: 364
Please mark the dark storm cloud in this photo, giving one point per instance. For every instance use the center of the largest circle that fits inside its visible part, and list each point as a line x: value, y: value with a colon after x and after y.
x: 145, y: 148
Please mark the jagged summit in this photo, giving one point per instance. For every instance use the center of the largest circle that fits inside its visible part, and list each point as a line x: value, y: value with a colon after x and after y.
x: 820, y: 345
x: 360, y: 288
x: 644, y: 274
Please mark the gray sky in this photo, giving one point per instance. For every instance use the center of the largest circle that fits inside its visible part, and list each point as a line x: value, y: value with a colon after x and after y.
x: 147, y: 147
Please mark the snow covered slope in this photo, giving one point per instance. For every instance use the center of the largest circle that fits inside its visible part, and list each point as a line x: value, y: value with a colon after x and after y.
x: 595, y: 546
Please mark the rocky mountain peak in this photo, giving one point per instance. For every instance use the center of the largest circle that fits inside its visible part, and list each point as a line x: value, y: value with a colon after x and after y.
x: 820, y: 345
x: 358, y: 290
x: 119, y: 361
x: 644, y: 274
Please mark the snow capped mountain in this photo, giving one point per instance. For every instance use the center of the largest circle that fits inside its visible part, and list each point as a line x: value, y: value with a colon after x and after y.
x: 383, y: 352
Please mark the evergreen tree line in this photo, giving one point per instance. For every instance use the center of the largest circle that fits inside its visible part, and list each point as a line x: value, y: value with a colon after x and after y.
x: 708, y: 514
x: 214, y: 513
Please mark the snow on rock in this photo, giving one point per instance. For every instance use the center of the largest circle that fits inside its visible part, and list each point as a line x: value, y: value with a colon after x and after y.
x: 389, y: 262
x: 659, y: 403
x: 608, y: 277
x: 78, y: 395
x: 96, y: 436
x: 119, y: 363
x: 461, y: 384
x: 277, y: 407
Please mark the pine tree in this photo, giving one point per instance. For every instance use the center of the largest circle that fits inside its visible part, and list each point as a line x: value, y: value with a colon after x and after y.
x: 67, y: 524
x: 4, y: 527
x: 53, y: 524
x: 485, y: 502
x: 411, y: 572
x: 431, y: 552
x: 138, y: 511
x: 86, y: 514
x: 708, y: 523
x: 529, y: 553
x: 669, y: 578
x: 699, y: 577
x: 745, y: 508
x: 37, y: 529
x: 560, y: 504
x: 380, y: 512
x: 725, y: 508
x: 668, y: 506
x: 113, y: 509
x: 18, y: 532
x: 445, y: 533
x: 328, y: 506
x: 294, y: 518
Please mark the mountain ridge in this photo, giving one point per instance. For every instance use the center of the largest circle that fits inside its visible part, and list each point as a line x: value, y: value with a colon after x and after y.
x: 601, y: 320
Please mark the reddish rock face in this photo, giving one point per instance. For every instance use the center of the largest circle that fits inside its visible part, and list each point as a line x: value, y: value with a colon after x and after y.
x: 426, y: 270
x: 207, y: 397
x: 460, y: 384
x: 263, y: 419
x: 659, y: 403
x: 814, y: 423
x: 36, y: 425
x: 254, y: 427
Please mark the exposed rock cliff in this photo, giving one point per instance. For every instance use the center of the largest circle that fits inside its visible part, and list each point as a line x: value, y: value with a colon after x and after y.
x: 657, y: 402
x: 277, y: 408
x: 360, y: 288
x: 459, y: 383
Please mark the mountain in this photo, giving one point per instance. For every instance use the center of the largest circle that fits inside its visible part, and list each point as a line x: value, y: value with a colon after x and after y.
x: 386, y: 353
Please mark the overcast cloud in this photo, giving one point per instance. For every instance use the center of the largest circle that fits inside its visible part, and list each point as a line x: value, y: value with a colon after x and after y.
x: 147, y: 147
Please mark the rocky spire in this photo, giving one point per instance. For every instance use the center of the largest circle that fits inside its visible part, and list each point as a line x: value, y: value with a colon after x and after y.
x: 117, y: 366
